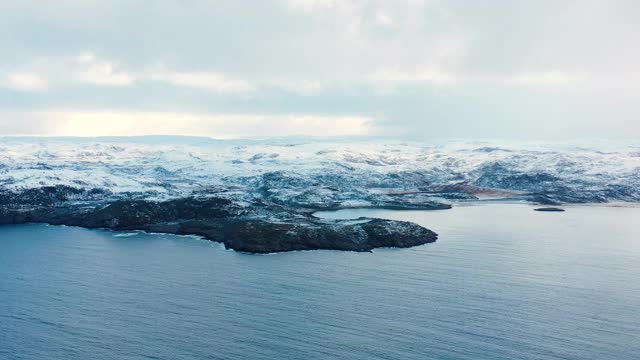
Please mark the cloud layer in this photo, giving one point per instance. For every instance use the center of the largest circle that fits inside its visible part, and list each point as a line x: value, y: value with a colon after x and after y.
x: 412, y: 68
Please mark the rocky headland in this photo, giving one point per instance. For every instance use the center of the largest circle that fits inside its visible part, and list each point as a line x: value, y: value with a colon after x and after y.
x: 254, y: 228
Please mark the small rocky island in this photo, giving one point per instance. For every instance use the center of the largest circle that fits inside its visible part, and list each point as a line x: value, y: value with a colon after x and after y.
x: 549, y: 209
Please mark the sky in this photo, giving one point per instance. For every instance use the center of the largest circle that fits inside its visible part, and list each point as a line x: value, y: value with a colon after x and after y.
x: 535, y: 69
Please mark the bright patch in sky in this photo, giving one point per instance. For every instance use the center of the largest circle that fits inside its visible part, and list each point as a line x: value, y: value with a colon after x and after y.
x: 223, y: 126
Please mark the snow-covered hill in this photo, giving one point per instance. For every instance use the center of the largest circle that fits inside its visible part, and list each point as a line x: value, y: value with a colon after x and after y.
x: 322, y: 173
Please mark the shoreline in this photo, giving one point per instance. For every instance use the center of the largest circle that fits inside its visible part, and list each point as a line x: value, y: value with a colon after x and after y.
x: 341, y: 231
x: 262, y: 229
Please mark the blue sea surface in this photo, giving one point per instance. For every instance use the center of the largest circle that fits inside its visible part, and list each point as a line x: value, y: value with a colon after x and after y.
x: 502, y: 282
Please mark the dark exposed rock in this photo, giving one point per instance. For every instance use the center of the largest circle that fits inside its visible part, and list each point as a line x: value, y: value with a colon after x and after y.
x: 550, y: 209
x: 267, y: 237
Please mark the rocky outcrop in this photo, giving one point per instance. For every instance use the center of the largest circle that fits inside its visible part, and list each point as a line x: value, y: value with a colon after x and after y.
x: 255, y: 228
x: 259, y: 236
x: 549, y: 209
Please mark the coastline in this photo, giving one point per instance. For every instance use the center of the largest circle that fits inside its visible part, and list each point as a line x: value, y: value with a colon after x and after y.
x: 258, y: 230
x: 310, y: 232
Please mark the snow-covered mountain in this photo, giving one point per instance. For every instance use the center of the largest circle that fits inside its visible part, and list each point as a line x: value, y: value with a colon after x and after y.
x: 321, y: 173
x: 259, y: 196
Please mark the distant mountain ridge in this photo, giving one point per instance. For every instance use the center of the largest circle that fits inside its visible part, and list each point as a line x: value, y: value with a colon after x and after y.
x: 163, y: 167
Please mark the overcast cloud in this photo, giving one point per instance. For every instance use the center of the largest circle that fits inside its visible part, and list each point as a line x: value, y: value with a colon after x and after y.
x: 409, y: 68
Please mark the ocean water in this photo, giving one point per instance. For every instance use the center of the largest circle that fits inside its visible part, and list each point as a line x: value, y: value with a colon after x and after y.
x: 502, y: 282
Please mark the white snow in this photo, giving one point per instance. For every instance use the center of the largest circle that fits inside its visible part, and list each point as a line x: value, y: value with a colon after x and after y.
x: 171, y: 168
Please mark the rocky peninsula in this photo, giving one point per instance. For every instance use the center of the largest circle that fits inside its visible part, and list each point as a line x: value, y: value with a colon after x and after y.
x: 251, y: 228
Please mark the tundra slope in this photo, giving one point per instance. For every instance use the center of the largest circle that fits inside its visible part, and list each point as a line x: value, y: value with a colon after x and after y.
x: 258, y: 196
